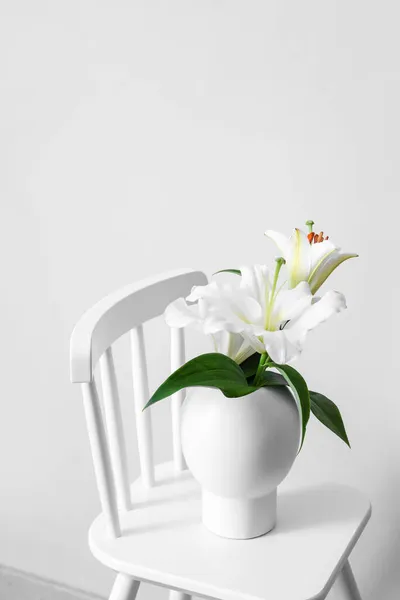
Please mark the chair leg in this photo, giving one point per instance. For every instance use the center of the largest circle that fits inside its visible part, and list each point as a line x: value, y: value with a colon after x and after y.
x: 124, y: 588
x: 347, y: 584
x: 174, y: 595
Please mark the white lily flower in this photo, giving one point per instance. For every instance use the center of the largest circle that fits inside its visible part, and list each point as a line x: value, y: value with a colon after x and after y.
x: 310, y: 258
x: 276, y: 322
x: 201, y: 316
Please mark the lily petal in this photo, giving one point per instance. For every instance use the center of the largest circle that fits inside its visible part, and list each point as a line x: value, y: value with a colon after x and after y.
x: 326, y: 266
x: 328, y: 305
x: 299, y: 260
x: 319, y: 251
x: 247, y: 310
x: 281, y: 241
x: 228, y: 343
x: 244, y: 352
x: 211, y: 290
x: 255, y: 282
x: 215, y: 323
x: 252, y: 339
x: 280, y: 347
x: 289, y: 304
x: 179, y: 314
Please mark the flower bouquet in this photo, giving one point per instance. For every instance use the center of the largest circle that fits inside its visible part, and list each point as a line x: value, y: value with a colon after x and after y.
x: 245, y: 416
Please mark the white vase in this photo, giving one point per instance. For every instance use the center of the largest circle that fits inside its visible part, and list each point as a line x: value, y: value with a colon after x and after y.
x: 240, y: 450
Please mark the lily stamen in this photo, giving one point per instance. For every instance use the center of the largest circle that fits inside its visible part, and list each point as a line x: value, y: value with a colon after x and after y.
x: 317, y: 238
x: 311, y: 234
x: 310, y: 225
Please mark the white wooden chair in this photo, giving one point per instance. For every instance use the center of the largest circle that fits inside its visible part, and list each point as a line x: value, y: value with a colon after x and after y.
x: 151, y: 531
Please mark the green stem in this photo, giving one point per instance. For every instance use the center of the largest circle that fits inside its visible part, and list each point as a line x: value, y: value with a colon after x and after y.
x: 279, y: 262
x: 261, y: 367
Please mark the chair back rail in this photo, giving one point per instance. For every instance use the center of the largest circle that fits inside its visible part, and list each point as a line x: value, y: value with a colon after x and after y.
x: 125, y: 311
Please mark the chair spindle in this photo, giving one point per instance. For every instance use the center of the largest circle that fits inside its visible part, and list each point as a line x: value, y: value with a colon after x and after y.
x: 141, y: 397
x: 175, y: 595
x: 124, y: 588
x: 114, y: 427
x: 177, y: 360
x: 101, y: 456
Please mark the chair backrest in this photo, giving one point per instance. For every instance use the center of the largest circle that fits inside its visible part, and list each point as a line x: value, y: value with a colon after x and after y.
x: 91, y: 342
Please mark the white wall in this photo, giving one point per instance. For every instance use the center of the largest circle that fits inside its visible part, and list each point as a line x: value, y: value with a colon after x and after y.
x: 149, y: 135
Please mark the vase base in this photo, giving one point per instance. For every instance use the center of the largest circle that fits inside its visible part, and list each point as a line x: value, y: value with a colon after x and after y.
x: 239, y: 518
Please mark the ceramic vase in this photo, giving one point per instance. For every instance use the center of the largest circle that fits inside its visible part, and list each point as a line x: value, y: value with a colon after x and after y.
x: 240, y: 450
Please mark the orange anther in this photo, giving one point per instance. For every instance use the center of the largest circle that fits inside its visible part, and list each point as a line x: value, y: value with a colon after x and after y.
x: 310, y: 237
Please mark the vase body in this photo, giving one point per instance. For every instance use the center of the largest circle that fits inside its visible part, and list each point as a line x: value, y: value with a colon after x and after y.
x: 240, y: 450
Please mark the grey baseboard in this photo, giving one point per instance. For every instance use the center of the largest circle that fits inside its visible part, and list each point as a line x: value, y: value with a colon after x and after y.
x: 18, y: 585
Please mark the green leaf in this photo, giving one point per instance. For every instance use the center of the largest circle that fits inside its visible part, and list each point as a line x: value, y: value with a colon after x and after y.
x: 329, y: 415
x: 300, y: 391
x: 271, y: 378
x: 234, y: 271
x: 249, y: 366
x: 207, y: 370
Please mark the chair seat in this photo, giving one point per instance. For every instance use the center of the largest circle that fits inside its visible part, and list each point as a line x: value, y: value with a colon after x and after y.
x: 163, y: 541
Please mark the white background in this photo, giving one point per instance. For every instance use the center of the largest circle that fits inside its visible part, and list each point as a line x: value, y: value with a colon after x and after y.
x: 138, y: 137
